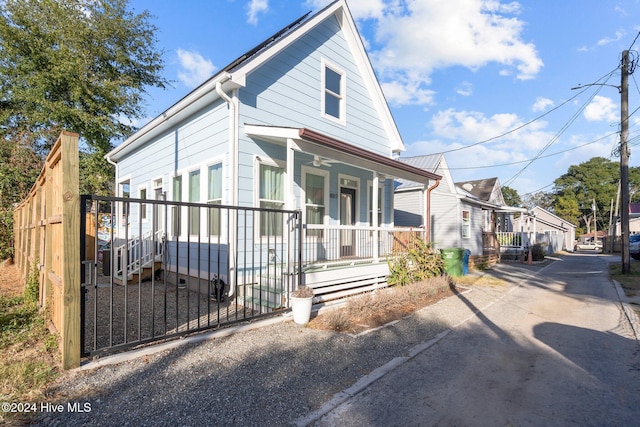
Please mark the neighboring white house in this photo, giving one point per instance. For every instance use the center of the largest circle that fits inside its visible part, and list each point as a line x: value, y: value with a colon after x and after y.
x: 466, y: 214
x: 299, y: 123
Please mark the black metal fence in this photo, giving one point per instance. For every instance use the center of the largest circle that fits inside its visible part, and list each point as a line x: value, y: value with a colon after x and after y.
x: 154, y: 269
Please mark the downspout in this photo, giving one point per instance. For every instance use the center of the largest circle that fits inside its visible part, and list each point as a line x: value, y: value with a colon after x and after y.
x: 233, y: 138
x: 427, y: 214
x: 115, y: 184
x: 233, y: 174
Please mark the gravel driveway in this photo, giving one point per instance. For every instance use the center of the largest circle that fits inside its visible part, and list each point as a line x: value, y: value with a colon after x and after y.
x: 278, y: 373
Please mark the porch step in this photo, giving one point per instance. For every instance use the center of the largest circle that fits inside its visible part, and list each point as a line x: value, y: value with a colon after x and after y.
x: 265, y: 298
x: 148, y: 269
x: 333, y: 283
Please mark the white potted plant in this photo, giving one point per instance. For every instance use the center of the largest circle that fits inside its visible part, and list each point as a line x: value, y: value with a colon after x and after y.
x: 301, y: 302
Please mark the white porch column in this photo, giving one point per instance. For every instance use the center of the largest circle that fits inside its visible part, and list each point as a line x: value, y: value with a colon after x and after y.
x: 374, y: 216
x: 289, y: 197
x: 521, y: 232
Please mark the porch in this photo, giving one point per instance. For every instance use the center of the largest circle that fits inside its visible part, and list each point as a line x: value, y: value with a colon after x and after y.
x: 509, y: 245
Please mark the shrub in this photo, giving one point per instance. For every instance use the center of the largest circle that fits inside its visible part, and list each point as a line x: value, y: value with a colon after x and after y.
x: 420, y: 262
x: 537, y: 252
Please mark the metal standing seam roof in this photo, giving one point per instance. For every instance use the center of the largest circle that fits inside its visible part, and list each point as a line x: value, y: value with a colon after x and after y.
x: 428, y: 163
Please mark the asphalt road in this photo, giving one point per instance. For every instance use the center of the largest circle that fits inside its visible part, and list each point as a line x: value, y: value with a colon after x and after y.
x: 557, y: 350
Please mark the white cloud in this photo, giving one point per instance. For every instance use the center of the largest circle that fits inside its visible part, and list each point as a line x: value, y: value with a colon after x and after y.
x: 542, y: 104
x: 425, y: 36
x: 465, y: 89
x: 606, y: 40
x: 360, y: 9
x: 414, y: 38
x: 254, y: 8
x: 406, y: 93
x: 470, y: 127
x: 194, y: 69
x: 601, y: 109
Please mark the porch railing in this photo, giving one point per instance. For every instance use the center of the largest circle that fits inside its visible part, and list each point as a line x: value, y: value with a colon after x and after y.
x: 512, y: 239
x: 138, y: 252
x: 322, y: 244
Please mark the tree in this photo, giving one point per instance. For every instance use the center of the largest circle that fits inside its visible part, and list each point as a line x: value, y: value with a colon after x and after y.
x: 541, y: 199
x: 511, y: 197
x: 76, y: 65
x: 575, y: 191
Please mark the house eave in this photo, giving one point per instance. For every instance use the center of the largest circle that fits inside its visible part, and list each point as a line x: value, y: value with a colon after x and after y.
x: 316, y: 143
x: 203, y: 95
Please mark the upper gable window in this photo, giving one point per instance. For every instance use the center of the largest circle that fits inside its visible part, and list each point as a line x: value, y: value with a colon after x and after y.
x: 333, y: 96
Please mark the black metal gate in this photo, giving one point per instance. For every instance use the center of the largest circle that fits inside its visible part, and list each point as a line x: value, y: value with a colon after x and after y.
x: 153, y: 269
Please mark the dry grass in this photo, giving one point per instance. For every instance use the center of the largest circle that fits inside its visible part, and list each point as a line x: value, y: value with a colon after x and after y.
x: 630, y: 282
x: 377, y: 308
x: 29, y: 357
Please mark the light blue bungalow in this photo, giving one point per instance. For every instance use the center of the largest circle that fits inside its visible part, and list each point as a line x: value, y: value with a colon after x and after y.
x: 275, y: 172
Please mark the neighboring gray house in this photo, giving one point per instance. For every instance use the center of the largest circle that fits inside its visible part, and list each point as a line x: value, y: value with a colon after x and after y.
x: 298, y: 123
x: 465, y: 214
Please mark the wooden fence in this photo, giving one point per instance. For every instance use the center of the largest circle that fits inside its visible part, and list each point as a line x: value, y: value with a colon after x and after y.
x: 47, y: 238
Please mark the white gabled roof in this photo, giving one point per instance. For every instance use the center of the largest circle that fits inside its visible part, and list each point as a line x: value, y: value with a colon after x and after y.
x: 234, y: 75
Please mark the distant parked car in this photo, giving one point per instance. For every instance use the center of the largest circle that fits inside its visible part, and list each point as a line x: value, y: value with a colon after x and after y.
x: 634, y: 246
x: 589, y: 245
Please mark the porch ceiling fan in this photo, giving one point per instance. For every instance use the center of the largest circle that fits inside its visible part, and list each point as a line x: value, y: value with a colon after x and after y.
x: 321, y: 161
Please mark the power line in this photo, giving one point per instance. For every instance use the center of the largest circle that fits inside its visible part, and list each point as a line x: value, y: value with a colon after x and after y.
x: 516, y: 128
x: 540, y: 157
x: 561, y: 131
x: 634, y: 41
x: 546, y: 113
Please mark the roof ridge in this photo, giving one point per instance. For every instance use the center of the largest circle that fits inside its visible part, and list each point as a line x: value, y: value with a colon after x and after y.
x: 265, y: 44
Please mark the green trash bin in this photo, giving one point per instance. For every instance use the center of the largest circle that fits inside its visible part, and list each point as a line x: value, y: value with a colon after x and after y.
x: 453, y: 261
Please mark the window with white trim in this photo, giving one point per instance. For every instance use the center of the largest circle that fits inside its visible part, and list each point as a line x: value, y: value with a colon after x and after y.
x: 214, y: 197
x: 143, y: 206
x: 315, y: 203
x: 333, y: 93
x: 175, y: 210
x: 466, y: 224
x: 194, y: 197
x: 271, y: 195
x: 125, y: 191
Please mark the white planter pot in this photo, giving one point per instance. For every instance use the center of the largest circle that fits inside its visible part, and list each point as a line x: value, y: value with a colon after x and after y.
x: 301, y: 308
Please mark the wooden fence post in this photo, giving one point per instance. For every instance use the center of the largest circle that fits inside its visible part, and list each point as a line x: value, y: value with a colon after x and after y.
x: 71, y: 345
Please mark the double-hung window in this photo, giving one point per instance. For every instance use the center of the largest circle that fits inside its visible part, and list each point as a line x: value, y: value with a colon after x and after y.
x: 333, y: 96
x: 315, y: 206
x: 143, y: 206
x: 175, y: 210
x: 466, y: 224
x: 214, y: 197
x: 125, y: 191
x: 271, y: 197
x: 194, y: 197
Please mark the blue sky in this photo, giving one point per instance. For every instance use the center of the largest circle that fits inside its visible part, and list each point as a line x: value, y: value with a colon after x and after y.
x: 487, y: 82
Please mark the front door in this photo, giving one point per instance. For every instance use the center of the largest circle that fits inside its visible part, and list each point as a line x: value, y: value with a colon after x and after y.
x: 347, y: 217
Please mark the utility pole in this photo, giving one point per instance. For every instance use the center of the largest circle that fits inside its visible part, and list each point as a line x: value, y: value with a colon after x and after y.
x: 595, y: 222
x: 624, y: 161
